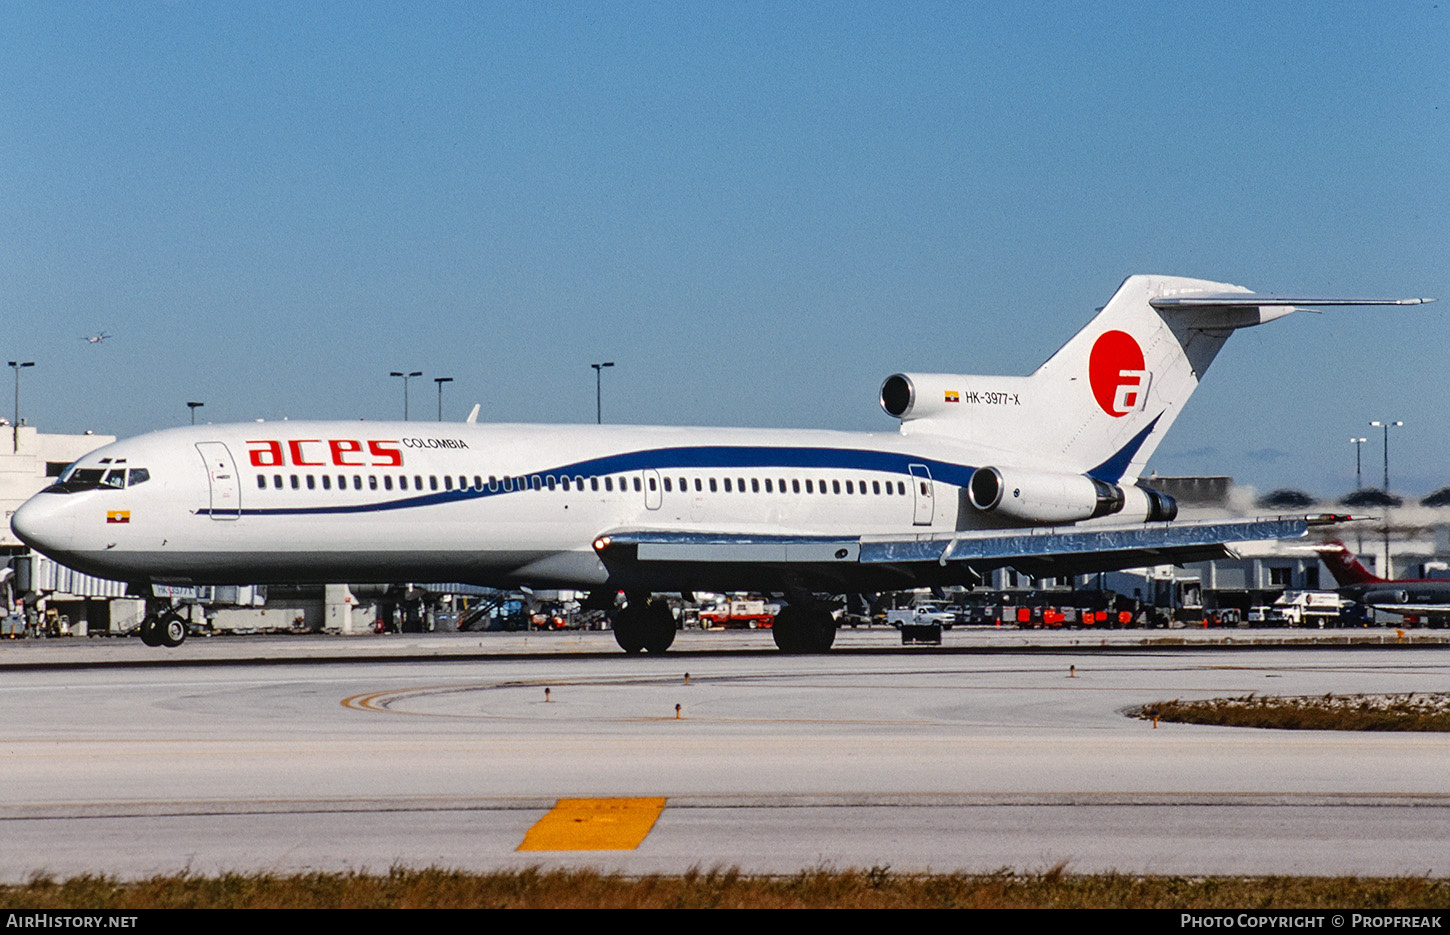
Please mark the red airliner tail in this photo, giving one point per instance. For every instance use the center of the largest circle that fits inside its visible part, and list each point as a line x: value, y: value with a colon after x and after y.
x: 1343, y: 564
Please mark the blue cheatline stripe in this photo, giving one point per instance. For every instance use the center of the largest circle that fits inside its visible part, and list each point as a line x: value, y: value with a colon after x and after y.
x: 1113, y: 469
x: 664, y: 459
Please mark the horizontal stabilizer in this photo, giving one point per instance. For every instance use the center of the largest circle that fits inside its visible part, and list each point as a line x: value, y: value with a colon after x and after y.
x: 1251, y: 300
x: 1223, y: 312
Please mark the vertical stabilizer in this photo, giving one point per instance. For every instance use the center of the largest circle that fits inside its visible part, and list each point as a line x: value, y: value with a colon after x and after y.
x: 1103, y: 402
x: 1345, y: 566
x: 1119, y: 384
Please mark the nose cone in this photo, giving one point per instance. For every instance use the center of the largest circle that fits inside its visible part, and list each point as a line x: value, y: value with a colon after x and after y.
x: 43, y: 523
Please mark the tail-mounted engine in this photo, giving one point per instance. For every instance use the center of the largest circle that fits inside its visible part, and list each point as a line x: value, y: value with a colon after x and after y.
x: 1149, y: 505
x: 908, y: 396
x: 1042, y: 497
x: 1046, y: 497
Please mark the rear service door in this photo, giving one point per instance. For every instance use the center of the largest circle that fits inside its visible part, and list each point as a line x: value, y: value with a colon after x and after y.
x: 653, y: 493
x: 921, y: 489
x: 221, y: 475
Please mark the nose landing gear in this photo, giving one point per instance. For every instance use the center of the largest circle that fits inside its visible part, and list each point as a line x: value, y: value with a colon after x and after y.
x: 163, y: 627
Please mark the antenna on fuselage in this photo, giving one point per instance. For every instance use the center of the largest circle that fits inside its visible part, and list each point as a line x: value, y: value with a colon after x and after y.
x: 473, y: 415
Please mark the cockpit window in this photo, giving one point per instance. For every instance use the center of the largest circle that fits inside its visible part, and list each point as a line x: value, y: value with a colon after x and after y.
x: 76, y: 479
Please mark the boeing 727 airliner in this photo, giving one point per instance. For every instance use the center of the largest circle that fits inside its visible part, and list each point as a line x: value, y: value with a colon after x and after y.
x: 1039, y: 473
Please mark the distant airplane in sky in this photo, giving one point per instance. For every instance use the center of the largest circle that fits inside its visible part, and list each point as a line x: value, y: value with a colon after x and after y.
x: 97, y: 338
x: 1038, y: 473
x: 1408, y: 597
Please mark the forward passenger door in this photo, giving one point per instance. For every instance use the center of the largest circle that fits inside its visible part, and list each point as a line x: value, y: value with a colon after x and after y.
x: 221, y: 477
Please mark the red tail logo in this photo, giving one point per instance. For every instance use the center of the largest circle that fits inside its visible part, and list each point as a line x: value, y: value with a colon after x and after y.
x: 1115, y: 371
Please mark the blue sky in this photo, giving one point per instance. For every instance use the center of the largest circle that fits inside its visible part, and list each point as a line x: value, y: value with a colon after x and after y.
x: 757, y: 210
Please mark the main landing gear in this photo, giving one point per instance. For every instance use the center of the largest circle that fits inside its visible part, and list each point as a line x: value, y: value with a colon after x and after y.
x: 163, y: 627
x: 804, y: 627
x: 644, y: 624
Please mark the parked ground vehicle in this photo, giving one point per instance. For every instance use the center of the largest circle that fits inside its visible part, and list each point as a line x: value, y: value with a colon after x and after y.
x: 1308, y: 608
x: 923, y: 613
x: 743, y: 613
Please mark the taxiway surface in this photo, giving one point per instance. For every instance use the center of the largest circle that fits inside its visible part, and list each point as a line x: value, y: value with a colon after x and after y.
x: 420, y: 753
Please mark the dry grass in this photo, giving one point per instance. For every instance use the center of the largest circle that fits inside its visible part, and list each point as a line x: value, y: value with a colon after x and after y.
x: 876, y: 888
x: 1417, y: 711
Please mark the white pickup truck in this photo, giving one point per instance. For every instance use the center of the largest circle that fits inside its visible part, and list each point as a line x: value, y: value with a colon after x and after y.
x: 928, y: 614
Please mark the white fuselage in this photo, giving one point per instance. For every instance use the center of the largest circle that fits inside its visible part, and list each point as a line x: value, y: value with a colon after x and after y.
x: 493, y: 504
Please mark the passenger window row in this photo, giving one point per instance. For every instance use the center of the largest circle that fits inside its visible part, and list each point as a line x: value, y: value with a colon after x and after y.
x: 607, y: 483
x: 387, y: 482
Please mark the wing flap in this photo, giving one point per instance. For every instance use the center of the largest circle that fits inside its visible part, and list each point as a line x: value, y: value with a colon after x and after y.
x: 1059, y: 550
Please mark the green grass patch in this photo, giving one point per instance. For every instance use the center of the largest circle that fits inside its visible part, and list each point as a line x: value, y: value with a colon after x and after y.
x: 876, y: 888
x: 1419, y: 711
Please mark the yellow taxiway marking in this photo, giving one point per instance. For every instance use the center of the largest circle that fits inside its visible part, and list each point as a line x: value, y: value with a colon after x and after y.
x: 594, y: 825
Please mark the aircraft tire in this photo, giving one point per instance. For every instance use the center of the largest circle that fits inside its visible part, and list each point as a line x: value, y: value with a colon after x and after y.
x: 819, y: 631
x: 631, y: 628
x: 804, y: 630
x: 786, y: 630
x: 660, y: 629
x: 171, y: 630
x: 150, y: 631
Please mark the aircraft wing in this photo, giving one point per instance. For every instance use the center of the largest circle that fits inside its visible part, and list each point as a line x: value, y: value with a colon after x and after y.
x: 1412, y: 610
x: 876, y: 562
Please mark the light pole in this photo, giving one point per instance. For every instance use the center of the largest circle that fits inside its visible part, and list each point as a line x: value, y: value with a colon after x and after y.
x: 406, y: 377
x: 1358, y: 447
x: 440, y: 381
x: 1358, y: 444
x: 194, y: 407
x: 598, y: 406
x: 1386, y: 426
x: 15, y: 427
